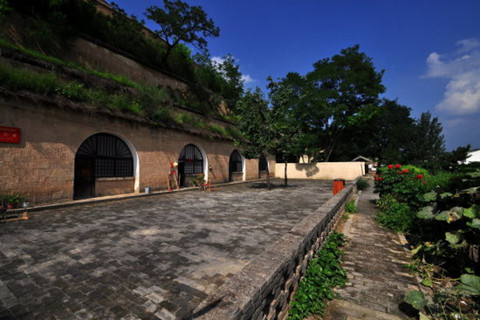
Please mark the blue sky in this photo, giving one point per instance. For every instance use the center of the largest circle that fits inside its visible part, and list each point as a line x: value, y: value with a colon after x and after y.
x: 430, y: 50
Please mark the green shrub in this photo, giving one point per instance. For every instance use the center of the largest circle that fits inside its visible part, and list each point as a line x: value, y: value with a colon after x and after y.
x: 185, y: 118
x: 362, y: 184
x: 394, y: 215
x: 440, y: 180
x: 73, y: 90
x: 350, y: 207
x: 21, y: 79
x: 405, y: 185
x: 323, y: 274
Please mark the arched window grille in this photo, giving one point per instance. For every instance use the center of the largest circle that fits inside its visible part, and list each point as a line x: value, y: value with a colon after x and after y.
x: 192, y: 160
x: 236, y: 163
x: 111, y: 156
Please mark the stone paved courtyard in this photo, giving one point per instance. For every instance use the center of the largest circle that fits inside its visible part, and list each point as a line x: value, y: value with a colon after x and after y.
x: 147, y: 258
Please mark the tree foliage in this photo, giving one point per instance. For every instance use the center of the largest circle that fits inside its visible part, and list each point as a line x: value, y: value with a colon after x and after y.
x: 284, y: 124
x: 340, y: 92
x: 254, y: 123
x: 429, y: 143
x: 180, y: 22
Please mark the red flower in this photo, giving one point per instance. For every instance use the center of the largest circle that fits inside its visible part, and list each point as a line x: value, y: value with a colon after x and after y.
x: 398, y: 166
x: 404, y: 170
x: 390, y: 166
x: 419, y: 176
x: 401, y: 172
x: 379, y: 178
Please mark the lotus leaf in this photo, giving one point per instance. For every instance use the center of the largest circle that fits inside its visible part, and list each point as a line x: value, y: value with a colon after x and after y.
x: 472, y: 212
x: 474, y: 224
x: 470, y: 285
x: 452, y: 238
x: 425, y: 213
x: 470, y: 190
x: 451, y: 215
x: 416, y: 299
x: 445, y: 195
x: 431, y: 196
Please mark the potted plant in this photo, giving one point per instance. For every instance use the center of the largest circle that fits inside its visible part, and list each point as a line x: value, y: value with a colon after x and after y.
x: 13, y: 200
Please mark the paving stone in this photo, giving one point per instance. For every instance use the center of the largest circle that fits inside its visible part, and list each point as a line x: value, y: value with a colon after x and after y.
x: 108, y: 260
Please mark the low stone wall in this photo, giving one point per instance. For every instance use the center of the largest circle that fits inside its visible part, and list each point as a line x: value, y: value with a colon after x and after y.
x: 266, y: 286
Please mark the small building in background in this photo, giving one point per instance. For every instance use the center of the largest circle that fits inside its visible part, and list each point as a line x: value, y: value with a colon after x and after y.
x: 472, y: 156
x: 370, y: 165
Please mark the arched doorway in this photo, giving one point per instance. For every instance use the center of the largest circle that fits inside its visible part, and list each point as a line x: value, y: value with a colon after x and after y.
x: 235, y: 172
x: 190, y: 163
x: 262, y: 166
x: 100, y: 156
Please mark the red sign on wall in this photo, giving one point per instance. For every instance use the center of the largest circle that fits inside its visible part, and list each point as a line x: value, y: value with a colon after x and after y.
x: 10, y: 135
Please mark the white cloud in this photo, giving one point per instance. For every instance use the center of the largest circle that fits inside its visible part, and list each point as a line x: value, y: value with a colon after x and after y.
x: 217, y: 61
x: 462, y: 69
x: 468, y: 44
x: 436, y: 67
x: 247, y: 79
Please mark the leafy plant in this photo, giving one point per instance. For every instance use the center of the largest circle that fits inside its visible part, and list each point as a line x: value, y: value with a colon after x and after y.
x: 416, y: 299
x: 12, y: 198
x: 323, y: 274
x: 21, y: 79
x: 395, y: 215
x: 362, y: 184
x: 470, y: 285
x: 455, y: 302
x: 405, y: 185
x: 198, y: 180
x: 350, y: 207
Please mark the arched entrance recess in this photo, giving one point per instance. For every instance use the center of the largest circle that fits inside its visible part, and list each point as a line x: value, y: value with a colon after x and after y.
x: 191, y: 162
x: 235, y: 171
x: 100, y: 156
x: 262, y: 166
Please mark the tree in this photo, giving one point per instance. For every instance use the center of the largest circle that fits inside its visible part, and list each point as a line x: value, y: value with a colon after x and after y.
x: 428, y: 142
x: 233, y: 85
x: 284, y: 125
x: 339, y: 93
x: 456, y: 157
x: 254, y: 123
x: 180, y: 22
x: 392, y: 132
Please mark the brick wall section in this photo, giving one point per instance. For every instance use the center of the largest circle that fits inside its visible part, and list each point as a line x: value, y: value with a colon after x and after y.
x: 265, y: 287
x: 42, y: 166
x: 110, y: 186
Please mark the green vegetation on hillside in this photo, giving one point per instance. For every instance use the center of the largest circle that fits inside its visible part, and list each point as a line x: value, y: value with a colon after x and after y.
x: 51, y: 26
x: 149, y: 103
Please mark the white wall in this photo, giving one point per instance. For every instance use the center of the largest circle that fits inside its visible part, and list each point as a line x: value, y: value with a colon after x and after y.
x: 474, y: 156
x: 321, y: 170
